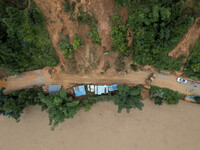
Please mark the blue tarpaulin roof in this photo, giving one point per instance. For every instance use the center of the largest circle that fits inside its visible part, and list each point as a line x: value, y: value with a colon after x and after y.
x: 79, y: 90
x: 112, y: 88
x: 54, y: 89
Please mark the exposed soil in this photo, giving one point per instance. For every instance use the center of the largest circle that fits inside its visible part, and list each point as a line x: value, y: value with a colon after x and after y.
x: 187, y: 43
x: 90, y: 58
x: 163, y: 127
x: 4, y: 73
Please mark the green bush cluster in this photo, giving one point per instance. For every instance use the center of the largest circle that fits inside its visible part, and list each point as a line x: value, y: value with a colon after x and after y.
x: 68, y: 6
x: 66, y: 48
x: 160, y: 94
x: 119, y: 35
x: 77, y: 42
x: 197, y: 99
x: 94, y: 35
x: 24, y: 40
x: 85, y: 18
x: 192, y: 67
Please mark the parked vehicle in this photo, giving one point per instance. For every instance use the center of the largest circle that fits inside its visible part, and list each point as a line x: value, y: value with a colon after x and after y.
x: 181, y: 80
x: 150, y: 78
x: 191, y: 96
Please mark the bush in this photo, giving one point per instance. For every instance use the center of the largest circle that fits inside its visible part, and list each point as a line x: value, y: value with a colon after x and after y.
x: 161, y: 94
x: 69, y: 6
x: 120, y: 64
x: 66, y: 48
x: 94, y: 35
x: 77, y: 42
x: 119, y: 35
x: 86, y: 18
x: 197, y: 99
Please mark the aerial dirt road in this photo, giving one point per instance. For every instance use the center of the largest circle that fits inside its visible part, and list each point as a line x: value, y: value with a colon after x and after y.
x: 43, y: 78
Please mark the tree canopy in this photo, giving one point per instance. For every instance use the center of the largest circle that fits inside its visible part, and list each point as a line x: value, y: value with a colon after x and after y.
x: 128, y: 97
x: 24, y: 41
x: 60, y: 107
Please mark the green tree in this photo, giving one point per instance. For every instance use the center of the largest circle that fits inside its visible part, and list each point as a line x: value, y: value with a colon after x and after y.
x: 197, y: 99
x: 128, y: 97
x: 60, y: 107
x: 161, y: 94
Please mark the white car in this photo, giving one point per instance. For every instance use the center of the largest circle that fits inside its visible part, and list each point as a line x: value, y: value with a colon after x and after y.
x: 181, y: 80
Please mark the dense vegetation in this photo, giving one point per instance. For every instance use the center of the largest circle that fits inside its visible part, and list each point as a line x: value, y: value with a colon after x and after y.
x: 118, y: 35
x: 158, y: 26
x: 60, y: 107
x: 66, y: 48
x: 192, y: 67
x: 128, y: 97
x: 15, y: 102
x: 197, y: 99
x: 160, y: 94
x: 24, y: 41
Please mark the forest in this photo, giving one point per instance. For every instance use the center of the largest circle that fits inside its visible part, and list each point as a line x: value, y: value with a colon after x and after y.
x: 158, y: 26
x: 24, y: 40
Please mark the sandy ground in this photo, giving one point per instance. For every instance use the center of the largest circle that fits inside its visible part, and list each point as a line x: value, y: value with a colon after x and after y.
x: 102, y: 128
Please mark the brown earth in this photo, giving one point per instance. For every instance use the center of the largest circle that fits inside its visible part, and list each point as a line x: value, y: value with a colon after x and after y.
x: 163, y: 127
x: 90, y: 58
x: 187, y: 43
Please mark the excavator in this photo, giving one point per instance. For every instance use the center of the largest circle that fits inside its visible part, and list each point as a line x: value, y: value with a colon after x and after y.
x: 149, y: 80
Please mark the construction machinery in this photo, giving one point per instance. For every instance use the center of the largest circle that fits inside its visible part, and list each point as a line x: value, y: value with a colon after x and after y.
x: 150, y: 78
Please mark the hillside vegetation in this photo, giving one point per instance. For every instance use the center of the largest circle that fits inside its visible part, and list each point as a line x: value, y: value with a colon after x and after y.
x: 24, y: 40
x: 158, y: 26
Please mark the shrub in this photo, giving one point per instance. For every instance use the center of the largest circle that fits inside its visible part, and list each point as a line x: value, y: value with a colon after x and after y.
x: 120, y: 64
x: 197, y: 99
x: 86, y: 18
x: 66, y: 48
x: 69, y: 6
x: 161, y: 94
x: 119, y: 35
x: 77, y: 42
x: 94, y: 35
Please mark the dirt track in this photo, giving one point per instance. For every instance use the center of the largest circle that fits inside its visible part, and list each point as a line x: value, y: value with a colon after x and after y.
x: 42, y: 77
